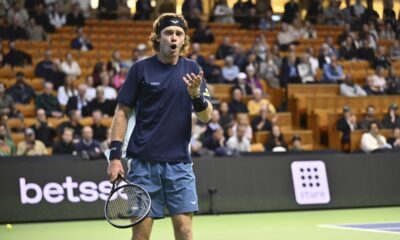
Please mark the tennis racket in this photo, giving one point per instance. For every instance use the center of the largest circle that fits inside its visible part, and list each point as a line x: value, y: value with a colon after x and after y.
x: 127, y: 205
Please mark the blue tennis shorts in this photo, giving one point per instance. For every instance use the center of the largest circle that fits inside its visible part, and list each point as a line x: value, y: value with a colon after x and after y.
x: 171, y: 186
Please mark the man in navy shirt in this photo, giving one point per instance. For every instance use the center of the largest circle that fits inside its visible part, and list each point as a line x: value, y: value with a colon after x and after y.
x: 162, y: 90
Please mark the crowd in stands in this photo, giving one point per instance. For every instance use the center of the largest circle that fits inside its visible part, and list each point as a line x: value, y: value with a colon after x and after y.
x: 251, y: 72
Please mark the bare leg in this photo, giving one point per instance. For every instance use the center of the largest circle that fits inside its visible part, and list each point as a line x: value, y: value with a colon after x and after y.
x: 183, y: 226
x: 142, y: 231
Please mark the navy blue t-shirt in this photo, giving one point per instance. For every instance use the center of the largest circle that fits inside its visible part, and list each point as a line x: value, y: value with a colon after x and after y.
x: 163, y: 109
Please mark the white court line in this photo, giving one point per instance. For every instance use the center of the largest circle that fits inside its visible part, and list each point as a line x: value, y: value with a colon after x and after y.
x: 356, y: 229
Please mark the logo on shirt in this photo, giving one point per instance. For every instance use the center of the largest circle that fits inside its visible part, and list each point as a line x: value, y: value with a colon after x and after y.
x: 154, y: 83
x: 206, y: 93
x: 174, y: 21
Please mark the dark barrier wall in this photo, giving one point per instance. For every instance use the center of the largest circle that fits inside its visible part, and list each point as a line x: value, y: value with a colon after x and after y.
x: 65, y: 187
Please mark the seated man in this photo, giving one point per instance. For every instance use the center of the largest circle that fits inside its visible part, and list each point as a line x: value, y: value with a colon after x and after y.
x: 65, y: 145
x: 30, y: 146
x: 81, y: 42
x: 7, y: 146
x: 391, y: 119
x: 43, y: 130
x: 369, y: 117
x: 87, y: 146
x: 238, y: 142
x: 7, y: 104
x: 333, y: 72
x: 20, y: 91
x: 349, y: 89
x: 48, y: 102
x: 254, y: 105
x: 346, y: 124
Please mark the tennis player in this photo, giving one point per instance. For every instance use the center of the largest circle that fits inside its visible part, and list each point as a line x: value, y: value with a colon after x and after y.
x: 162, y: 90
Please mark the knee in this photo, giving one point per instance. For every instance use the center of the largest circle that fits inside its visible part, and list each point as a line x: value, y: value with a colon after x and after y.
x: 140, y: 235
x: 185, y: 232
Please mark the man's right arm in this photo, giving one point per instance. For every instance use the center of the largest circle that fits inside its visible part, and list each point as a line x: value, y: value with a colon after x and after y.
x: 118, y: 129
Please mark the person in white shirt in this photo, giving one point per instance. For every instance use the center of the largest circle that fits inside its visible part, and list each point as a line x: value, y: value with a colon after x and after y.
x: 305, y: 69
x: 67, y: 90
x: 349, y: 89
x: 373, y: 140
x: 109, y: 92
x: 229, y: 70
x: 378, y: 79
x: 56, y: 15
x: 223, y: 13
x: 70, y: 66
x: 239, y: 142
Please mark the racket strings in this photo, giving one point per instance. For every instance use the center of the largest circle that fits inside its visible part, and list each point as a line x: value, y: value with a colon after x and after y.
x: 127, y: 205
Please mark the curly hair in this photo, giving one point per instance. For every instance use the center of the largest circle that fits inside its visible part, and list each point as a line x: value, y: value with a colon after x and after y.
x: 155, y: 35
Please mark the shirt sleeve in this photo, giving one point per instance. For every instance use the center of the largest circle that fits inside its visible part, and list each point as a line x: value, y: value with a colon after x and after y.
x: 128, y: 93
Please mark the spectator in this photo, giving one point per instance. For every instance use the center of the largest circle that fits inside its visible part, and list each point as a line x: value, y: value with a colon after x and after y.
x: 203, y: 34
x: 255, y: 104
x: 238, y: 142
x: 18, y: 14
x: 223, y: 13
x: 119, y: 78
x: 370, y: 15
x: 7, y: 146
x: 296, y: 144
x: 382, y: 59
x: 393, y: 82
x: 213, y: 124
x: 242, y: 85
x: 260, y: 47
x: 42, y: 19
x: 16, y: 57
x: 100, y: 102
x: 394, y: 140
x: 240, y: 9
x: 324, y: 56
x: 332, y: 14
x: 167, y: 6
x: 43, y: 130
x: 251, y: 19
x: 14, y: 32
x: 73, y: 122
x: 236, y: 105
x: 190, y: 8
x: 81, y: 42
x: 389, y: 16
x: 7, y: 104
x: 387, y: 32
x: 226, y: 118
x: 347, y: 50
x: 225, y: 48
x: 289, y: 72
x: 365, y: 52
x: 262, y: 122
x: 269, y: 72
x: 369, y: 117
x: 109, y: 92
x: 308, y: 31
x: 36, y: 32
x: 276, y: 141
x: 87, y: 146
x: 230, y: 71
x: 56, y: 16
x: 333, y: 72
x: 30, y: 146
x: 75, y: 17
x: 48, y: 102
x: 252, y: 80
x: 79, y: 101
x: 391, y: 119
x: 106, y: 144
x: 373, y: 140
x: 212, y: 72
x: 196, y: 55
x: 349, y: 89
x: 99, y: 130
x: 65, y: 145
x: 115, y: 64
x: 285, y: 37
x: 216, y: 143
x: 195, y: 143
x: 90, y: 90
x: 314, y: 11
x: 291, y: 12
x: 346, y: 124
x: 378, y: 80
x: 50, y: 69
x: 20, y: 91
x: 395, y: 51
x: 143, y: 10
x: 266, y: 23
x: 66, y: 91
x: 305, y: 70
x: 348, y: 13
x: 71, y: 67
x: 99, y: 69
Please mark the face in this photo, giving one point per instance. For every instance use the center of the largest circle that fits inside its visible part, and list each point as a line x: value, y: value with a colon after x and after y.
x: 67, y: 136
x: 96, y: 116
x: 87, y: 133
x: 41, y: 115
x: 224, y: 107
x: 171, y: 41
x: 374, y: 129
x: 215, y: 116
x: 237, y: 95
x: 276, y: 131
